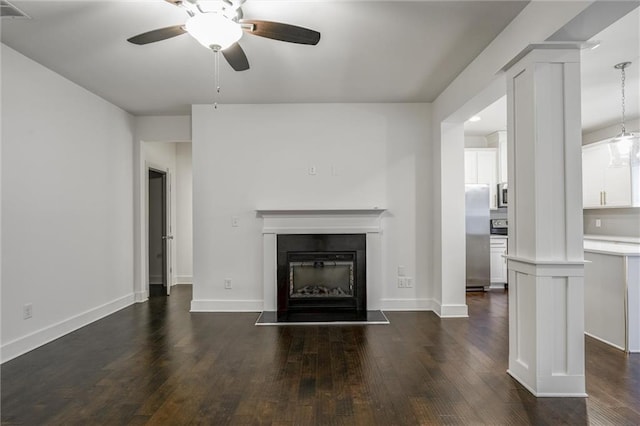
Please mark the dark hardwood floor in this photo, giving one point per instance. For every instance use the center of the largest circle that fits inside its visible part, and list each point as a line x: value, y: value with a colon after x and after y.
x: 155, y: 363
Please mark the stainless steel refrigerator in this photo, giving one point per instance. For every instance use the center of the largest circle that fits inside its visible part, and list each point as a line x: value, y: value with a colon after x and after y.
x: 477, y: 229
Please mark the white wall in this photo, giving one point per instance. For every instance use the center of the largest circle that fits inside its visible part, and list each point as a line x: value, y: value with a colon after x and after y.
x: 248, y: 157
x: 184, y: 214
x: 67, y: 205
x: 163, y: 128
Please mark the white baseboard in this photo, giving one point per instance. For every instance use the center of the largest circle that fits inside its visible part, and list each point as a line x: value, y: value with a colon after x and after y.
x: 604, y: 341
x: 406, y: 304
x: 140, y: 296
x: 547, y: 394
x: 45, y: 335
x: 183, y: 279
x: 450, y: 311
x: 227, y: 305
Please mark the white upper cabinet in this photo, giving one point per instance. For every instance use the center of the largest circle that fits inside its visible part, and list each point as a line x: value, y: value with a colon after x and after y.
x: 470, y: 166
x: 480, y: 167
x: 604, y: 186
x: 499, y: 140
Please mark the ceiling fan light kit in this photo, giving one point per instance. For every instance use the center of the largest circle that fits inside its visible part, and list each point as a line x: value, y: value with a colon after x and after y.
x: 624, y: 149
x: 213, y: 31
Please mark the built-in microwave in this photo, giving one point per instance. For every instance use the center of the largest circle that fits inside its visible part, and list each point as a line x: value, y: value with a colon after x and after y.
x: 502, y: 194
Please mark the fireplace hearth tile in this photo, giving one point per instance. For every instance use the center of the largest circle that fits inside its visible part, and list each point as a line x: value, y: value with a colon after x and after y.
x: 331, y: 318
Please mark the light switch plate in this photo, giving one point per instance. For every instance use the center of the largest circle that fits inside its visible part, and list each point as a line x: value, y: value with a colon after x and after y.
x: 402, y: 271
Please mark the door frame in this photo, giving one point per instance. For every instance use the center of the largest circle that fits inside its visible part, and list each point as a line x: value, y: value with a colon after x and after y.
x: 168, y: 248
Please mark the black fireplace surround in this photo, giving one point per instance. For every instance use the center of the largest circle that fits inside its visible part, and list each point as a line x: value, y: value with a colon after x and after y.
x: 321, y: 277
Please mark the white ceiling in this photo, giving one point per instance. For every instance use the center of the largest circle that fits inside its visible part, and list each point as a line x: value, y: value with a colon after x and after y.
x: 600, y: 81
x: 370, y: 51
x: 492, y: 119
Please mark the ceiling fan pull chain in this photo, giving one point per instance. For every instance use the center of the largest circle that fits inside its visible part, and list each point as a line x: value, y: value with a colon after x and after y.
x: 216, y: 70
x: 623, y: 81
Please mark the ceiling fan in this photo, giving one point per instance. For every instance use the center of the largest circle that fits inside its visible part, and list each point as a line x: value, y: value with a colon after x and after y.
x: 221, y: 28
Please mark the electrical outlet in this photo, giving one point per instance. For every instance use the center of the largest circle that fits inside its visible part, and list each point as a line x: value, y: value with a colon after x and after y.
x: 598, y: 223
x: 313, y: 170
x: 235, y: 221
x: 227, y: 284
x: 405, y: 282
x: 27, y: 311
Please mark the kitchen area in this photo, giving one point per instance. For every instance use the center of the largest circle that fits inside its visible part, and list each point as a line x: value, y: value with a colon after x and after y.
x: 611, y: 221
x: 486, y: 200
x: 611, y: 198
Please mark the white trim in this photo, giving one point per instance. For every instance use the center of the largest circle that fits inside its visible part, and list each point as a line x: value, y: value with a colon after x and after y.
x: 546, y: 268
x: 322, y: 230
x: 550, y: 263
x: 145, y: 166
x: 22, y: 345
x: 450, y: 311
x: 218, y: 305
x: 140, y: 296
x: 548, y: 45
x: 407, y: 304
x: 320, y: 211
x: 183, y: 279
x: 604, y: 341
x: 547, y: 394
x: 497, y: 285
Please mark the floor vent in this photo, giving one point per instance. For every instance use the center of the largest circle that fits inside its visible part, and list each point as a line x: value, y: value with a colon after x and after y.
x: 7, y: 10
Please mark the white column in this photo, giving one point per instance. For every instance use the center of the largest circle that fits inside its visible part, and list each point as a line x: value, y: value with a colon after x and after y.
x: 452, y: 301
x: 546, y: 266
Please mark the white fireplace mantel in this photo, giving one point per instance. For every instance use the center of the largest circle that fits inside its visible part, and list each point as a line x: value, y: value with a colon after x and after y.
x: 321, y: 221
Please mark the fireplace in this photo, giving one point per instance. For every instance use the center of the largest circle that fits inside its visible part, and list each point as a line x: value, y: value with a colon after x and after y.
x: 321, y: 276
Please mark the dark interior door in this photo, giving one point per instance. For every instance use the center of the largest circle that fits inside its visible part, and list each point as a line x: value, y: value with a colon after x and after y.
x: 157, y: 232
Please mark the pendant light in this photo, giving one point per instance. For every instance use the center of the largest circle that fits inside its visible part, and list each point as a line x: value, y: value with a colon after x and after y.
x: 624, y: 149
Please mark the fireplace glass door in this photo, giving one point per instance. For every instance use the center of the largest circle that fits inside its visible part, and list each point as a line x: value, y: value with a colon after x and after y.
x: 320, y: 278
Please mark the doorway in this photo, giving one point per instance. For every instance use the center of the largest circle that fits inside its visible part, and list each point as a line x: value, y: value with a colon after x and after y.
x: 159, y: 232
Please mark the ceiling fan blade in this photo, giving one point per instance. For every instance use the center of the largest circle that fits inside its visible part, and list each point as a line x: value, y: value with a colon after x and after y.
x: 157, y: 35
x: 282, y: 32
x: 236, y: 57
